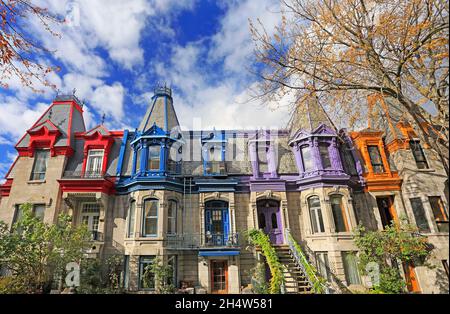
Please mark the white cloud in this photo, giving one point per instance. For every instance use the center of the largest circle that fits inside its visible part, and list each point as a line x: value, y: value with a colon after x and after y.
x: 233, y: 43
x: 109, y: 100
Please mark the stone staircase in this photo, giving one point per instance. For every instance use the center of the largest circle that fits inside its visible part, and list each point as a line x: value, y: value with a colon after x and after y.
x: 295, y: 280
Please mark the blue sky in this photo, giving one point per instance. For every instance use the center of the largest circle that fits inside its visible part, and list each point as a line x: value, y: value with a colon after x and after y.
x: 113, y: 52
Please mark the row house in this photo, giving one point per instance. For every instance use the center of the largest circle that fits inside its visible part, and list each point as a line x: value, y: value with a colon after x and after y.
x: 189, y: 196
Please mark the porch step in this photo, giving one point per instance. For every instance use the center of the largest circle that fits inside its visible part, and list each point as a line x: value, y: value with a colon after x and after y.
x: 295, y: 280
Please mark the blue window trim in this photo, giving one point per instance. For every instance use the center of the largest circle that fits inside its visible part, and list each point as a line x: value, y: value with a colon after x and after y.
x: 225, y: 217
x: 143, y: 218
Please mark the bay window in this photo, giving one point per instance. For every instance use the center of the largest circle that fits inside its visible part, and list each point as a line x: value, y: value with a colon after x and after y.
x: 40, y: 164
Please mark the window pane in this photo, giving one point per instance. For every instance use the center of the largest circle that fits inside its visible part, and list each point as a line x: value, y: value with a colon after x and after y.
x: 439, y: 212
x: 131, y: 218
x: 419, y: 214
x: 146, y: 278
x: 316, y: 214
x: 323, y: 265
x: 94, y: 162
x: 338, y: 214
x: 351, y: 268
x: 262, y: 221
x: 40, y: 164
x: 375, y: 159
x: 138, y: 160
x: 18, y: 214
x: 172, y: 217
x: 325, y: 156
x: 418, y: 154
x: 150, y: 217
x: 306, y: 157
x: 153, y: 157
x: 39, y: 211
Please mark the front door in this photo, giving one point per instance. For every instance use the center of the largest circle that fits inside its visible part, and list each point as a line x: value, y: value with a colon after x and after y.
x: 269, y: 220
x: 219, y: 276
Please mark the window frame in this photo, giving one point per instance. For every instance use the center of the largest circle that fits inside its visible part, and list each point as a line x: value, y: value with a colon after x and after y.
x: 316, y: 212
x: 90, y: 157
x: 325, y: 156
x: 345, y: 265
x: 342, y: 211
x: 442, y: 210
x: 144, y: 218
x: 150, y: 260
x: 172, y: 220
x: 43, y: 212
x: 326, y: 264
x: 420, y: 215
x: 310, y: 160
x: 131, y: 219
x: 94, y: 232
x: 415, y: 147
x: 155, y: 158
x: 33, y: 169
x: 372, y: 162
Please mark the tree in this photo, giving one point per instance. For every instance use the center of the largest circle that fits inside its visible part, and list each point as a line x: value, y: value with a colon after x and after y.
x: 385, y: 248
x: 342, y: 51
x: 20, y: 54
x: 35, y: 252
x: 160, y: 275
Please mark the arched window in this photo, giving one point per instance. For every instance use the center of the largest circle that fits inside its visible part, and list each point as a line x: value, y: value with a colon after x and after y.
x: 315, y: 212
x: 154, y: 157
x: 340, y: 219
x: 262, y: 150
x: 306, y: 158
x: 150, y: 218
x: 172, y: 211
x: 131, y: 218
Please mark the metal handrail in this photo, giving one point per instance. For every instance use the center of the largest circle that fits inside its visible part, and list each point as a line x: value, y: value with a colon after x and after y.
x: 302, y: 262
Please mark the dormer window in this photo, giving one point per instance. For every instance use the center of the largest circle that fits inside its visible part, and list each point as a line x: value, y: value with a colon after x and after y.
x: 307, y: 158
x: 40, y: 164
x: 154, y: 157
x: 418, y: 154
x: 375, y: 159
x: 94, y: 163
x: 324, y: 155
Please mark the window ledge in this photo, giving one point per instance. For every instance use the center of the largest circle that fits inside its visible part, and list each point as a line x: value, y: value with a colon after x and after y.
x: 36, y: 181
x: 425, y: 170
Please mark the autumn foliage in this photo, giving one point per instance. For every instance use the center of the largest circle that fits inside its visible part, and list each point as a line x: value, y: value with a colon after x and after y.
x: 342, y: 51
x: 21, y: 56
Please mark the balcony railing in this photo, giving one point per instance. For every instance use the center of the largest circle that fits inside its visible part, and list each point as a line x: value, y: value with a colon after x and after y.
x: 84, y: 174
x: 215, y: 168
x: 195, y: 241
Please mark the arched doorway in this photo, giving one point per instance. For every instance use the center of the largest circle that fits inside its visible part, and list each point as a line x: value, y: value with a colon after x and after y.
x: 269, y: 220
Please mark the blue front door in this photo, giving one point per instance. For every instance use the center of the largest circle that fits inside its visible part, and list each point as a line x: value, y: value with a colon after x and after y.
x: 216, y: 223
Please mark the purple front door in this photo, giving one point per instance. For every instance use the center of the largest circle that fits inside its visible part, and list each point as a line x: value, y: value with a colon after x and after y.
x: 269, y: 220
